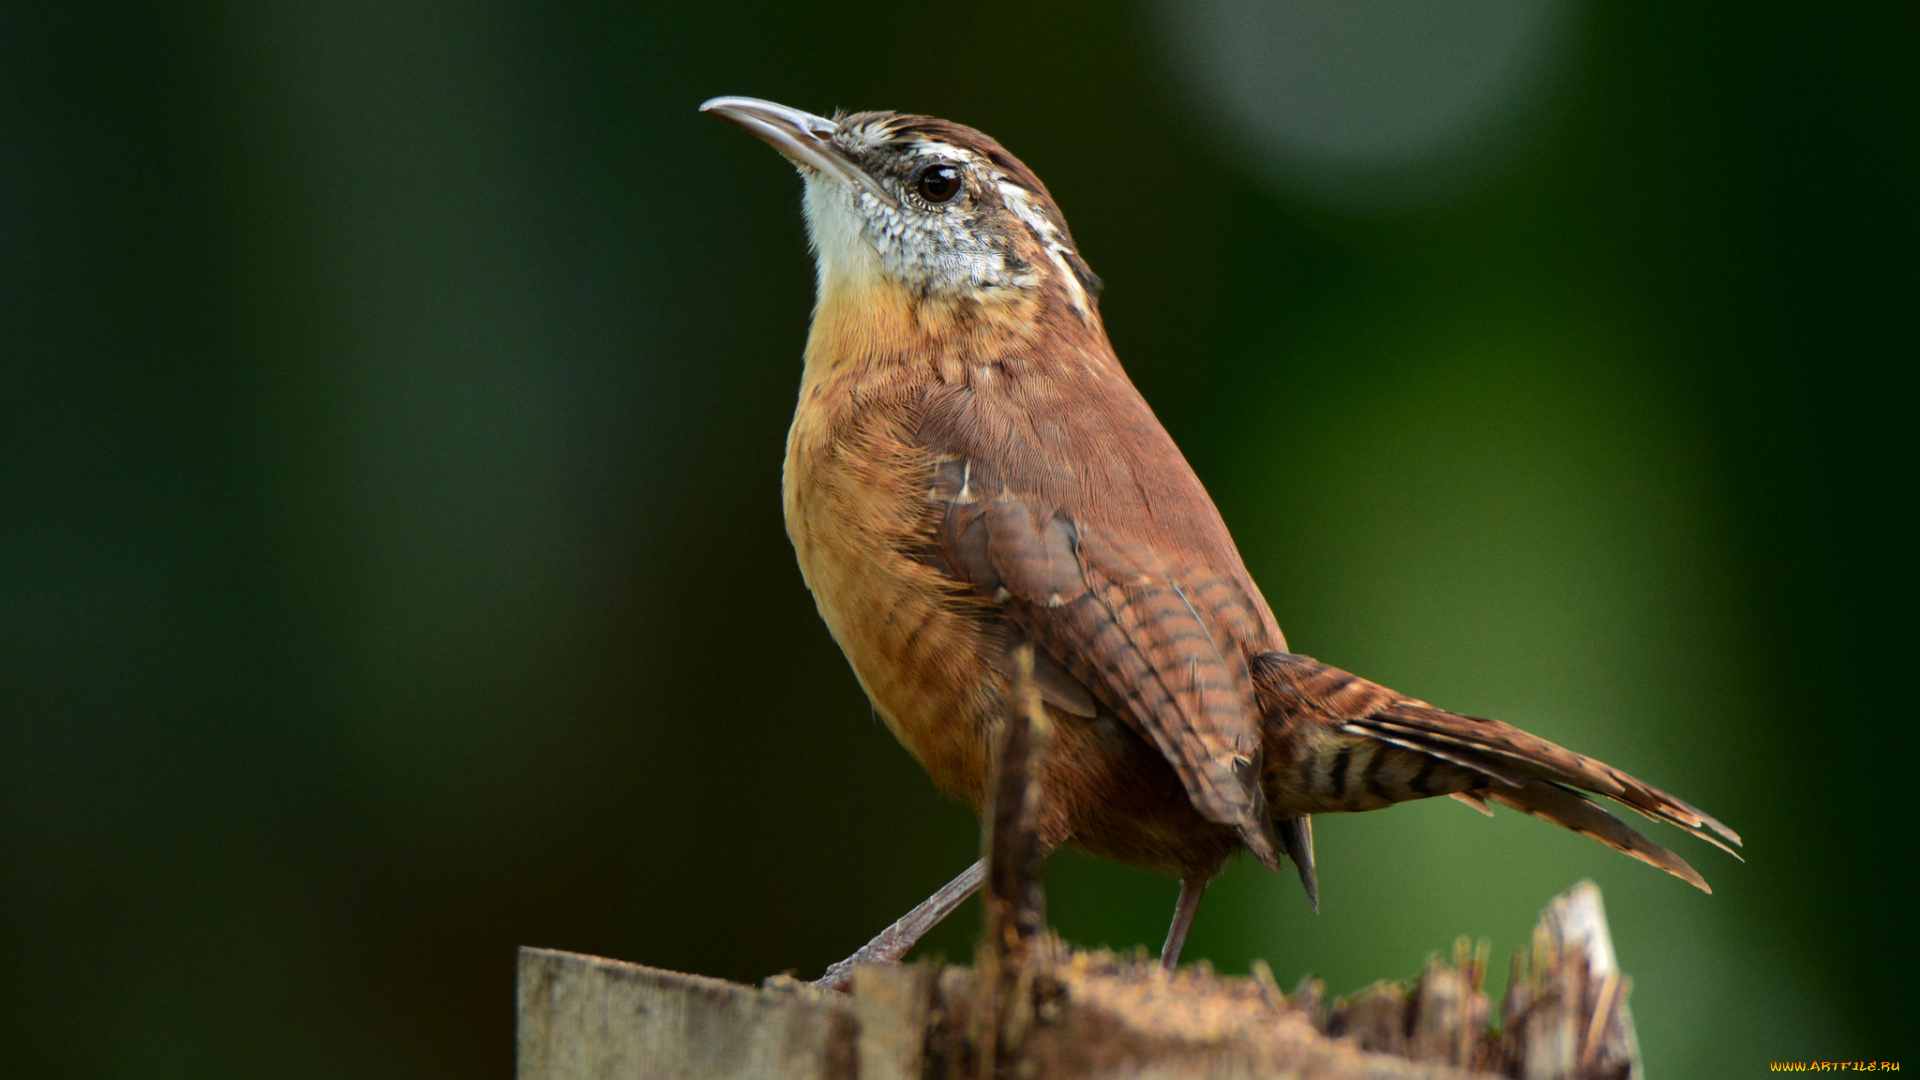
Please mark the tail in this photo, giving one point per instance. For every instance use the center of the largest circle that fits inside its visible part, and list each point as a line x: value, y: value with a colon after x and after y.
x: 1338, y: 742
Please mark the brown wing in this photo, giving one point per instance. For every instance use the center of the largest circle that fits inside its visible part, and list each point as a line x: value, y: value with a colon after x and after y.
x: 1122, y: 620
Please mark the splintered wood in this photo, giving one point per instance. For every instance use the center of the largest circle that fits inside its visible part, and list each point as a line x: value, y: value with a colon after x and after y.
x: 1090, y: 1014
x: 1034, y: 1009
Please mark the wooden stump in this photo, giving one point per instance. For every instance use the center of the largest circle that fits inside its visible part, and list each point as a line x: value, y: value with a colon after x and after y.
x: 1090, y: 1014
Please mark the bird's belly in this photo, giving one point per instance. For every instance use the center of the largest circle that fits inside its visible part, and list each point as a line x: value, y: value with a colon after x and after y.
x: 927, y: 656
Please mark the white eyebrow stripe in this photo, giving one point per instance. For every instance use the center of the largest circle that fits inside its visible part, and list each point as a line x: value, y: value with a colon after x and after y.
x: 1020, y: 201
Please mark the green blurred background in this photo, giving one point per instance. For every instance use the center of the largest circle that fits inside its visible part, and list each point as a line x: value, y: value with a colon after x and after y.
x: 392, y: 398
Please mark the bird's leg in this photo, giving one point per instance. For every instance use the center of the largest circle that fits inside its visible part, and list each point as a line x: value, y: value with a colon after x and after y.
x: 892, y: 943
x: 1191, y: 890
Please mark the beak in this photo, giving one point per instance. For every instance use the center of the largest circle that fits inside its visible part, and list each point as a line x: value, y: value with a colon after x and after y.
x: 805, y: 139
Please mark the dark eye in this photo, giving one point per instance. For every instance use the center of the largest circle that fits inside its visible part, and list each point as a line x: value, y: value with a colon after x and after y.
x: 938, y: 183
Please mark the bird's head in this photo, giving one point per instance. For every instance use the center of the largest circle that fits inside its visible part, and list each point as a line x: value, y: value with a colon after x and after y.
x: 928, y: 207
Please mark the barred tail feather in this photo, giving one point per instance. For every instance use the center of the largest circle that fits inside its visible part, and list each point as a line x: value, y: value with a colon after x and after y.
x: 1493, y: 748
x: 1570, y: 810
x: 1335, y: 722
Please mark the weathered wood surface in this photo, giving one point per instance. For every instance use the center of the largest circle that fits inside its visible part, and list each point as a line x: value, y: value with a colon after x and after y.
x: 1089, y: 1015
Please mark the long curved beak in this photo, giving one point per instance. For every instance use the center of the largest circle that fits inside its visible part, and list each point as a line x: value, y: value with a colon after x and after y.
x: 805, y: 139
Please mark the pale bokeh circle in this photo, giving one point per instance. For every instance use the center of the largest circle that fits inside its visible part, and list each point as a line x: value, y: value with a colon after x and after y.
x: 1369, y: 103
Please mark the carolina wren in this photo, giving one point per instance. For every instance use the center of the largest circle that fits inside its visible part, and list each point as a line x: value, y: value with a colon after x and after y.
x: 969, y: 469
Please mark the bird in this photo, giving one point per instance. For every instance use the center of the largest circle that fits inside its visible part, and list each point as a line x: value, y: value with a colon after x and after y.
x: 970, y: 475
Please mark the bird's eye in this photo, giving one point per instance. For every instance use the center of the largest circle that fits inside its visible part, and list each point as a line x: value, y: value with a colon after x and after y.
x: 938, y: 183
